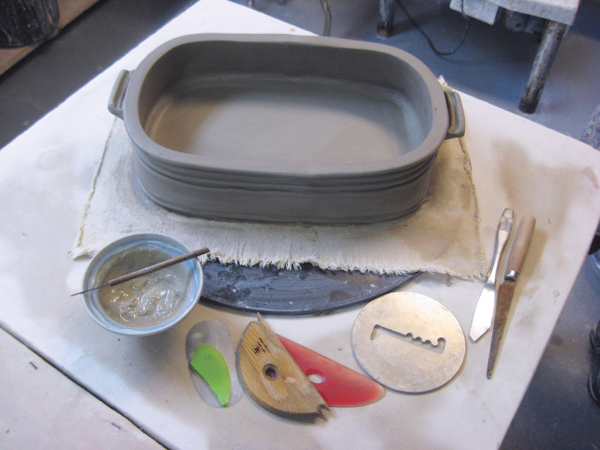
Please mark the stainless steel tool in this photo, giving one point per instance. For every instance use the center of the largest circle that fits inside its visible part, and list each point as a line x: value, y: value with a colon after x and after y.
x: 408, y: 342
x: 484, y: 311
x: 506, y: 291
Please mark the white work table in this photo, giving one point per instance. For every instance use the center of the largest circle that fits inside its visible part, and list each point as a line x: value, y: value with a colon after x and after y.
x: 45, y: 179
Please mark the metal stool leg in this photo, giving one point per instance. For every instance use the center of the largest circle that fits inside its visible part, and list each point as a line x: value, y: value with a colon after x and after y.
x: 385, y: 27
x: 551, y: 40
x: 327, y: 13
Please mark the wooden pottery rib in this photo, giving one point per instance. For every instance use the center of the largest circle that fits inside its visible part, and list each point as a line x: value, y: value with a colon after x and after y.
x: 271, y: 376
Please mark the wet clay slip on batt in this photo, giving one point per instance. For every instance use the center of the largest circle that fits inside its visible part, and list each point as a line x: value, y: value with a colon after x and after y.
x: 278, y: 128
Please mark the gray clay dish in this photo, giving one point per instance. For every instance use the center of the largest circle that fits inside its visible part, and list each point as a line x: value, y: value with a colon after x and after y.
x: 284, y: 206
x: 211, y: 179
x: 222, y: 124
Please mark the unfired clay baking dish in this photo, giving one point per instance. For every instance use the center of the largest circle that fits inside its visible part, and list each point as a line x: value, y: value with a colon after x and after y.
x: 222, y: 125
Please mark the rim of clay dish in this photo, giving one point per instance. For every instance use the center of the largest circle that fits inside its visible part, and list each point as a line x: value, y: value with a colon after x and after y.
x: 163, y: 155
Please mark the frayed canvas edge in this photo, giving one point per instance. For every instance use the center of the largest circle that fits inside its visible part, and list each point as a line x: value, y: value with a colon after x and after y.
x: 379, y: 270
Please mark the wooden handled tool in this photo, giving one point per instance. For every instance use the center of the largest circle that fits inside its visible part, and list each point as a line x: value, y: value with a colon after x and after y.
x: 148, y: 270
x: 506, y: 291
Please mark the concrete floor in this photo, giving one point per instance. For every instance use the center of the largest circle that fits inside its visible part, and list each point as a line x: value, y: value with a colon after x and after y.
x: 493, y: 64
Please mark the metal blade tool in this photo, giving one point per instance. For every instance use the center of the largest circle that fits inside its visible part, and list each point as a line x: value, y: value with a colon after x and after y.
x: 484, y: 311
x: 506, y: 291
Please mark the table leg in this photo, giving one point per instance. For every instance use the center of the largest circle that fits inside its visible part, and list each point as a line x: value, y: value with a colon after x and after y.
x: 385, y: 27
x: 551, y: 39
x: 327, y: 14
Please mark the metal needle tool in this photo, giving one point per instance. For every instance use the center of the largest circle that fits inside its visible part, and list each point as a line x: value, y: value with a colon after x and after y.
x: 148, y: 270
x: 484, y: 311
x: 506, y: 291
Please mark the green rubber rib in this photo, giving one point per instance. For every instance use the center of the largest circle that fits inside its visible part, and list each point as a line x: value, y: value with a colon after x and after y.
x: 209, y: 363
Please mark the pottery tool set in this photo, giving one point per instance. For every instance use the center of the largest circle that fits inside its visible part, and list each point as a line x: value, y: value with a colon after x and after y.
x: 404, y: 341
x: 280, y: 375
x: 192, y: 119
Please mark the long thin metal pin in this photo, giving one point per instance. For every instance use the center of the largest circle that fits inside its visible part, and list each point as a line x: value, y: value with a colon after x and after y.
x: 148, y: 270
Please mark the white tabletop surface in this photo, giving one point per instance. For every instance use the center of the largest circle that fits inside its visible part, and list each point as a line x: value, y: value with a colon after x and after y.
x: 45, y: 178
x: 42, y: 408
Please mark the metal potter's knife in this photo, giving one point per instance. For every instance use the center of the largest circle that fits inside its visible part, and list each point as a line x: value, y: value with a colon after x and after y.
x: 506, y: 291
x: 484, y: 311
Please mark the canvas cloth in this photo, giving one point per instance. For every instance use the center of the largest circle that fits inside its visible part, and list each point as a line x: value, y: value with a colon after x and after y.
x: 441, y: 237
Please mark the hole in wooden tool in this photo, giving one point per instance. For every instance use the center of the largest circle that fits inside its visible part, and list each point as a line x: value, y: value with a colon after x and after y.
x: 410, y: 338
x: 316, y: 378
x: 271, y: 372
